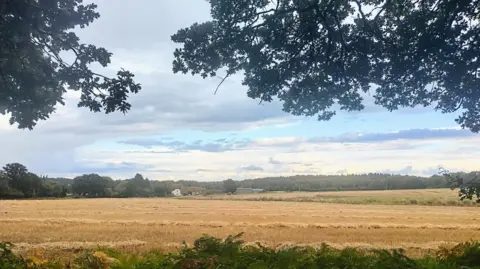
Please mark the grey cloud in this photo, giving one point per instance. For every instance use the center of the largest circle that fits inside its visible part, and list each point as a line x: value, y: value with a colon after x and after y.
x: 251, y: 168
x: 150, y: 151
x: 343, y: 171
x: 412, y: 134
x: 112, y: 168
x: 406, y: 171
x: 273, y: 161
x: 431, y: 171
x: 179, y: 146
x: 148, y: 143
x: 308, y: 172
x: 167, y: 101
x: 100, y: 168
x: 161, y: 170
x: 203, y: 170
x: 148, y: 23
x: 161, y: 108
x: 349, y: 140
x: 409, y: 170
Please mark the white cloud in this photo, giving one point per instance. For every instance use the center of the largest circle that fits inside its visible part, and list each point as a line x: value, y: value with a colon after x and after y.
x: 278, y: 159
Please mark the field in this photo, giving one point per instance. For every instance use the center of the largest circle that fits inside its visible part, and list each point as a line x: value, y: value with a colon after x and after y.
x: 135, y: 225
x: 391, y: 197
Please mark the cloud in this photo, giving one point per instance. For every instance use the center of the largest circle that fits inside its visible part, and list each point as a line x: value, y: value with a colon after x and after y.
x: 102, y: 168
x: 251, y: 168
x: 278, y: 141
x: 410, y: 170
x: 219, y: 145
x: 407, y: 170
x: 203, y: 170
x: 149, y: 151
x: 273, y: 161
x: 412, y: 134
x: 431, y: 170
x: 404, y: 140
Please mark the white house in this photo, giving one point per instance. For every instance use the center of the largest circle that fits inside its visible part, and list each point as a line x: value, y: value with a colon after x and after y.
x: 177, y: 192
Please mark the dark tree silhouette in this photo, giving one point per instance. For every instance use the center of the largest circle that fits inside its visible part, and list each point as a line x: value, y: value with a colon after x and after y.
x: 320, y: 56
x: 36, y: 38
x: 468, y: 184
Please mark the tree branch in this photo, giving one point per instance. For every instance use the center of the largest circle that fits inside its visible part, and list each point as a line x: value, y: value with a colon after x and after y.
x: 382, y: 9
x: 367, y: 22
x: 221, y: 82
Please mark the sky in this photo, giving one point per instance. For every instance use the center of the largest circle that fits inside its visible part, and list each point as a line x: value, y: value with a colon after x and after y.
x: 178, y: 129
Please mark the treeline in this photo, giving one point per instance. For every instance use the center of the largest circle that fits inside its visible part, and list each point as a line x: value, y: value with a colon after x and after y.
x: 94, y: 185
x: 315, y: 183
x: 372, y: 181
x: 17, y: 182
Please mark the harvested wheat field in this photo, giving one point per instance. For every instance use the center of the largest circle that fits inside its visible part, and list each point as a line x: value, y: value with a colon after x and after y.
x: 390, y: 197
x: 140, y: 224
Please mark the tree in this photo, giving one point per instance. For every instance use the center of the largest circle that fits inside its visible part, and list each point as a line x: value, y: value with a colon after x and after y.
x: 107, y: 192
x: 161, y: 190
x: 467, y: 183
x: 141, y: 182
x: 91, y: 184
x: 110, y: 183
x: 131, y: 190
x: 120, y: 187
x: 19, y: 178
x: 32, y: 185
x: 229, y: 186
x: 36, y: 41
x: 16, y: 175
x: 3, y: 184
x: 137, y: 186
x: 53, y: 189
x: 318, y: 57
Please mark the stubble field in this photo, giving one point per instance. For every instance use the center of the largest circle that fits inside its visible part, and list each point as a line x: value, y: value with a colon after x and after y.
x: 435, y: 197
x: 141, y: 224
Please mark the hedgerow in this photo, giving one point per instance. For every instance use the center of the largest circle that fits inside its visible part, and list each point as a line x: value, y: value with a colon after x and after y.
x: 209, y: 252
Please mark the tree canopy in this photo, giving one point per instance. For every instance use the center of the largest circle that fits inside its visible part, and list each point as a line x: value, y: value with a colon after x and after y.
x: 229, y: 186
x: 17, y: 182
x: 468, y: 184
x: 320, y: 56
x: 92, y: 184
x: 36, y: 39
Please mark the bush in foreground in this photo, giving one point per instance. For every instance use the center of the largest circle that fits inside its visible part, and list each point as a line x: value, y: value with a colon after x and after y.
x: 212, y: 253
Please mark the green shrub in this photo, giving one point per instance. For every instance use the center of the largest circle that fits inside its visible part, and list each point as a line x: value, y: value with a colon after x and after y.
x: 8, y: 260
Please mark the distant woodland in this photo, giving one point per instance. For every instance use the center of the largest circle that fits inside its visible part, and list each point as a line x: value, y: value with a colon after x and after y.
x: 17, y: 182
